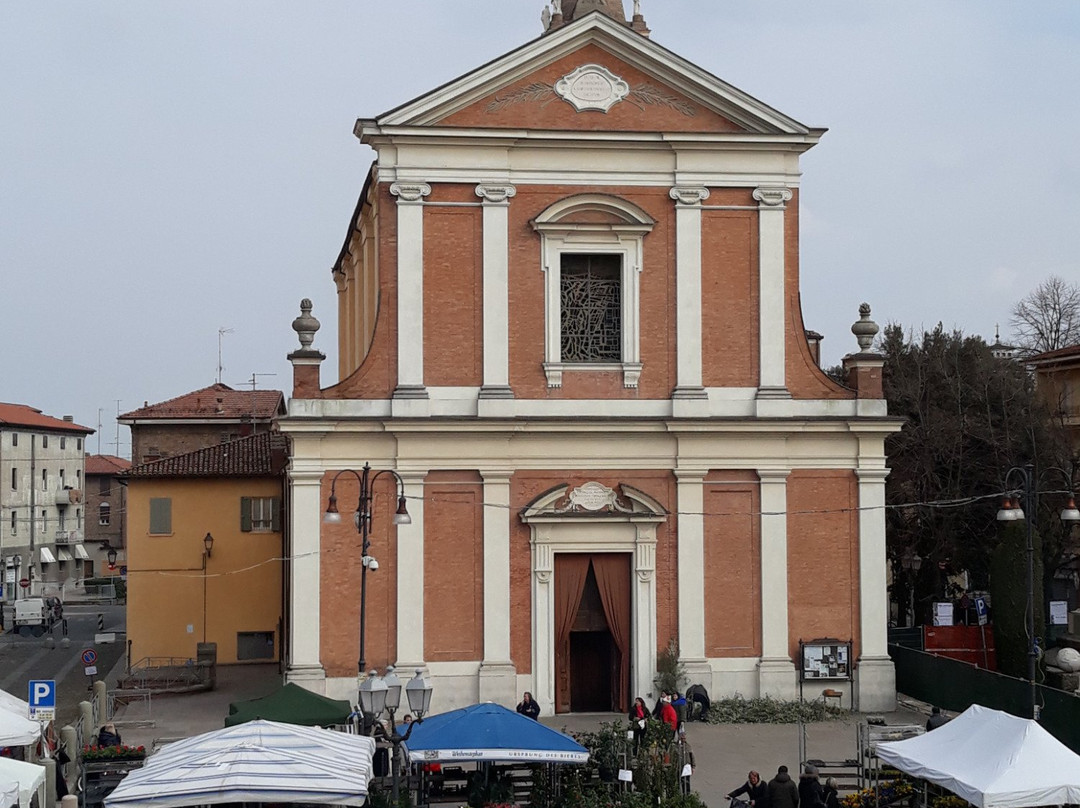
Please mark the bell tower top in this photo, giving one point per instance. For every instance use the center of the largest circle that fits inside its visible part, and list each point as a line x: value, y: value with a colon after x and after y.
x: 563, y: 12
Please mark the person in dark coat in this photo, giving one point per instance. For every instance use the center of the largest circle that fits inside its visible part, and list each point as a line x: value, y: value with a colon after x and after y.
x: 698, y: 698
x: 639, y: 716
x: 832, y: 799
x: 811, y: 794
x: 783, y: 793
x: 529, y: 707
x: 936, y: 719
x: 108, y: 736
x: 755, y: 789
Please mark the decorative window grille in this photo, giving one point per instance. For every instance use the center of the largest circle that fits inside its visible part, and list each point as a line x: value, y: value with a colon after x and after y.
x: 591, y: 308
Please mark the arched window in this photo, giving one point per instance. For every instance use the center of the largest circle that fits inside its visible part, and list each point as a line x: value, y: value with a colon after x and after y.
x: 591, y: 254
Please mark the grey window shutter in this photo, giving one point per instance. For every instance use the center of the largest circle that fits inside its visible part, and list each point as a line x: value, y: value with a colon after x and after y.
x: 160, y: 515
x: 275, y: 514
x: 245, y: 514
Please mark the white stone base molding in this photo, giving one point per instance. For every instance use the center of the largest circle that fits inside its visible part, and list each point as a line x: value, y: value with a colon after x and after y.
x: 875, y: 685
x: 309, y: 677
x: 498, y: 683
x: 776, y: 678
x: 699, y: 672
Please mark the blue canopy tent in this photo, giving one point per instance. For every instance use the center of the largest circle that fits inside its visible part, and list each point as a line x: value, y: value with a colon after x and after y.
x: 490, y: 733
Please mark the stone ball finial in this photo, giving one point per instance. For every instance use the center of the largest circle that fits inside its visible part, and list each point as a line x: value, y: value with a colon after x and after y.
x: 865, y: 329
x: 305, y: 325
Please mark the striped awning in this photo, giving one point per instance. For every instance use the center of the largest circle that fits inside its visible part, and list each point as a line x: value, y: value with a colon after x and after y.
x: 63, y: 554
x: 81, y: 554
x: 47, y: 557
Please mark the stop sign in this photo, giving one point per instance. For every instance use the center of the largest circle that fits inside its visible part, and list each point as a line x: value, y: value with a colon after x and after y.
x: 24, y: 583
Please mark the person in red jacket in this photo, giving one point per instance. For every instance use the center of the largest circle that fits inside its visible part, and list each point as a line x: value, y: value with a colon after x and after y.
x: 668, y: 714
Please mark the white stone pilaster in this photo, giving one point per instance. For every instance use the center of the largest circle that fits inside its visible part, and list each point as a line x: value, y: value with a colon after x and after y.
x: 496, y: 291
x: 410, y: 576
x: 643, y: 604
x: 543, y: 601
x: 410, y: 291
x: 498, y: 677
x: 691, y: 564
x: 773, y: 324
x: 304, y: 629
x: 688, y: 291
x: 875, y: 674
x: 776, y: 671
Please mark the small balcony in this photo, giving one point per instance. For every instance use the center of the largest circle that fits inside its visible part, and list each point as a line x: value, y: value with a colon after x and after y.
x: 68, y: 496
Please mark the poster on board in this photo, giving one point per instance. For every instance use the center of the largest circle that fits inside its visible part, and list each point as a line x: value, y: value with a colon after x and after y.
x: 826, y: 659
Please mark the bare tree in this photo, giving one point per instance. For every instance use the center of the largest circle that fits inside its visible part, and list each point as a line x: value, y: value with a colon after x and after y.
x: 1049, y: 317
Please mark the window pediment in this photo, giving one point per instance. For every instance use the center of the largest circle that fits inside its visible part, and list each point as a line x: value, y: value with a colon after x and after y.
x: 594, y: 500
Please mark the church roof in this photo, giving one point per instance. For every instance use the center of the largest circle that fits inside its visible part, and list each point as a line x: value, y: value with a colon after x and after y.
x: 699, y: 86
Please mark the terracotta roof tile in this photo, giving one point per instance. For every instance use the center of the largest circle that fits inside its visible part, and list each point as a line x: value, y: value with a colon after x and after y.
x: 1068, y: 352
x: 259, y: 455
x: 22, y: 415
x: 215, y: 401
x: 105, y: 464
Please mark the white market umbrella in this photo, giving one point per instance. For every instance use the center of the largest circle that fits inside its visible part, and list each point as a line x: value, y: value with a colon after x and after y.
x: 992, y: 760
x: 243, y: 773
x: 17, y: 730
x: 29, y: 779
x: 9, y: 794
x: 348, y: 750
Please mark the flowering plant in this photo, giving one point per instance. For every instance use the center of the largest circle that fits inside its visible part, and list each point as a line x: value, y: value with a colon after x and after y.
x: 887, y: 793
x: 949, y: 801
x: 90, y: 752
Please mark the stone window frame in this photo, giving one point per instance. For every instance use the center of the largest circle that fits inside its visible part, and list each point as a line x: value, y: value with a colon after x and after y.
x: 564, y: 227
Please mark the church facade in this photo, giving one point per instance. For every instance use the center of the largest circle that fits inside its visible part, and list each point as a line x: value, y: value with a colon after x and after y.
x: 569, y: 322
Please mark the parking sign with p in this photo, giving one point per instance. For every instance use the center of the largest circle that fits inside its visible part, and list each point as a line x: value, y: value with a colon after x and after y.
x: 42, y: 699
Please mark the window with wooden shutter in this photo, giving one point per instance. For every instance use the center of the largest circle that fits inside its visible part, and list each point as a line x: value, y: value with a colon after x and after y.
x: 260, y: 514
x: 160, y: 516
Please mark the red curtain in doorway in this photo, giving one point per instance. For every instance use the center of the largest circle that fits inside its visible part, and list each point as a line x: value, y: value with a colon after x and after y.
x: 613, y: 580
x: 571, y: 570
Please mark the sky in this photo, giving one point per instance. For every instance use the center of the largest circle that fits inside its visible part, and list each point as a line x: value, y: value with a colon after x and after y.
x: 169, y: 169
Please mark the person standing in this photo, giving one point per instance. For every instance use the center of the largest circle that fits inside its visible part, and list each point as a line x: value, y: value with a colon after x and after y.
x: 755, y: 789
x: 832, y: 799
x: 639, y: 716
x: 668, y: 714
x: 783, y: 793
x: 810, y: 791
x: 936, y: 719
x: 528, y: 707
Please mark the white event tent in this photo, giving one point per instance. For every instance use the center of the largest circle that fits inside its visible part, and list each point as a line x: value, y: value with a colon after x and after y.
x: 992, y: 760
x: 29, y: 778
x: 13, y: 704
x: 260, y: 761
x: 9, y: 794
x: 17, y: 730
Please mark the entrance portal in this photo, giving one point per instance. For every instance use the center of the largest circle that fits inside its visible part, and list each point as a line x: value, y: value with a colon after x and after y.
x: 592, y: 620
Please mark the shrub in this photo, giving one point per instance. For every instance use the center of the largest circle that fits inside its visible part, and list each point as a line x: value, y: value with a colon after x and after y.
x: 767, y: 710
x: 670, y: 672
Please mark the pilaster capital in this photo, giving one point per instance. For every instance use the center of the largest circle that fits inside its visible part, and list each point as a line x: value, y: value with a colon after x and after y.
x: 690, y: 476
x: 772, y: 196
x: 412, y: 475
x: 689, y: 195
x: 410, y: 192
x: 773, y: 475
x: 495, y: 194
x: 872, y: 475
x: 312, y: 477
x: 496, y: 476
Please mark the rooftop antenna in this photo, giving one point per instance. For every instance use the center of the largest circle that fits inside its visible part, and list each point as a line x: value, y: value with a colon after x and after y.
x: 99, y: 410
x: 117, y: 427
x: 221, y: 332
x: 253, y: 381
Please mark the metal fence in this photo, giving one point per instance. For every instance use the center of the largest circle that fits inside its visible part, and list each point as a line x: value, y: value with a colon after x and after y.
x: 955, y: 686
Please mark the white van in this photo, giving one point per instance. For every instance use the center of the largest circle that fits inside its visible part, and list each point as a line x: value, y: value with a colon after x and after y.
x: 32, y: 617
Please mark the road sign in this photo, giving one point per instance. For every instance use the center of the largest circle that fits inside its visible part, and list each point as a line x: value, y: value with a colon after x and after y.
x: 24, y: 583
x: 980, y: 610
x: 89, y: 656
x: 90, y: 670
x: 42, y: 698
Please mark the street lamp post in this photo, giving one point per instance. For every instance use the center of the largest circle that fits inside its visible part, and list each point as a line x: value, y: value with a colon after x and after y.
x: 208, y: 547
x: 1011, y: 511
x: 362, y: 520
x: 383, y: 694
x: 911, y: 564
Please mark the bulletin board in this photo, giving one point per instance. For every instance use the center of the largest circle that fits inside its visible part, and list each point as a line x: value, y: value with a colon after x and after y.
x: 824, y: 660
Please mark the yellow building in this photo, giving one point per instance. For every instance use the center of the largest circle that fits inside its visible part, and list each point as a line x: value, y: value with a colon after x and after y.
x: 1057, y: 376
x: 205, y: 544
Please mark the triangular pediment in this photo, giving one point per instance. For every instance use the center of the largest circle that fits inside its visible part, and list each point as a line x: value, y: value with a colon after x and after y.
x: 593, y: 74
